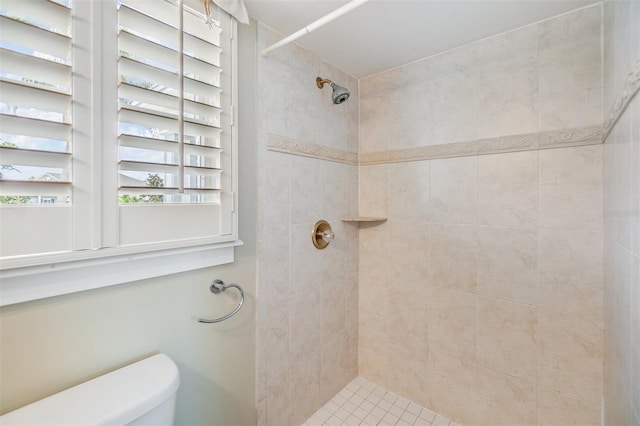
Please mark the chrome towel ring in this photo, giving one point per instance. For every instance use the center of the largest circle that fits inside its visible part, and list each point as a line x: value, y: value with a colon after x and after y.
x: 217, y: 287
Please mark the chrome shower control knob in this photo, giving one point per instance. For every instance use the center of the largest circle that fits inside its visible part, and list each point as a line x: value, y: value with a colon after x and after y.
x: 328, y: 236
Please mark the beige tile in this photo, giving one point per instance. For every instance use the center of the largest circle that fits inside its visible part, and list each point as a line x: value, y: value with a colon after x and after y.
x: 452, y: 381
x: 334, y: 190
x: 375, y: 120
x: 622, y: 321
x: 635, y: 173
x: 410, y: 74
x: 276, y: 339
x: 304, y: 388
x: 374, y: 190
x: 261, y: 412
x: 373, y: 242
x: 507, y: 338
x: 559, y: 409
x: 333, y: 309
x: 334, y: 369
x: 508, y: 95
x: 622, y: 187
x: 299, y: 111
x: 408, y: 112
x: 374, y: 284
x: 453, y: 97
x: 277, y: 400
x: 306, y: 263
x: 570, y: 71
x: 571, y: 165
x: 452, y: 323
x: 353, y: 190
x: 352, y: 236
x: 618, y: 410
x: 508, y: 264
x: 462, y: 60
x: 407, y: 320
x: 306, y: 203
x: 382, y: 82
x: 508, y: 189
x: 571, y: 271
x: 305, y: 324
x: 274, y: 194
x: 274, y: 266
x: 505, y: 400
x: 570, y: 29
x: 334, y: 257
x: 409, y: 190
x: 352, y: 360
x: 445, y: 116
x: 261, y: 373
x: 411, y: 381
x: 454, y: 190
x: 374, y: 306
x: 373, y: 355
x: 570, y: 354
x: 635, y: 332
x: 521, y: 43
x: 408, y: 251
x: 351, y: 302
x: 571, y: 188
x: 453, y: 255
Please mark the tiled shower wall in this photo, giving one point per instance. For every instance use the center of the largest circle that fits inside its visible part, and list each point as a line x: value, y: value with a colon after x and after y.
x: 307, y: 298
x: 622, y: 215
x: 481, y: 297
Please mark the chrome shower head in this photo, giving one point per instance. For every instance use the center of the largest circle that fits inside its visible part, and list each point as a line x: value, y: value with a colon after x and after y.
x: 340, y: 94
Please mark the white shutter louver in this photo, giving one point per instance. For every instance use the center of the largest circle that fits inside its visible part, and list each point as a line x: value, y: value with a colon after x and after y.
x: 35, y: 102
x: 152, y: 91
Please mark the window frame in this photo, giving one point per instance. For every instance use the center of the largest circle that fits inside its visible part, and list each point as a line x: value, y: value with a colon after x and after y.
x: 31, y: 277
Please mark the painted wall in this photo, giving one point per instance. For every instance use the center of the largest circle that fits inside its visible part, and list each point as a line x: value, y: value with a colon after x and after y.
x: 481, y: 296
x: 52, y: 344
x: 308, y: 299
x: 622, y: 214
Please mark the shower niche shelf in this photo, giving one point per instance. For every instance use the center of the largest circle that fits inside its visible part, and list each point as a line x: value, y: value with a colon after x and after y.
x: 361, y: 219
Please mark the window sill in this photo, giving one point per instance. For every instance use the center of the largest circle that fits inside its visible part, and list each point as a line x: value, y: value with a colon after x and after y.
x: 28, y: 283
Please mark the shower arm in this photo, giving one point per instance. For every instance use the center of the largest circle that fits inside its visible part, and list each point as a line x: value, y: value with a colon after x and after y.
x: 320, y: 82
x: 315, y: 25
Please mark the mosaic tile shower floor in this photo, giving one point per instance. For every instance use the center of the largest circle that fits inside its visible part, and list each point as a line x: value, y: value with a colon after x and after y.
x: 364, y: 403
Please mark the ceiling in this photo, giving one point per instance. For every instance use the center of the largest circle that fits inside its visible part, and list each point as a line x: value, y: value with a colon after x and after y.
x: 383, y: 34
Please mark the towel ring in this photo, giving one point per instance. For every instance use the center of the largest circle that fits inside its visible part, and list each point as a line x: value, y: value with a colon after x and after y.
x: 218, y: 286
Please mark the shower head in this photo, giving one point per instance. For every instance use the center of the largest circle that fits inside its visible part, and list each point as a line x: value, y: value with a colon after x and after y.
x: 340, y: 94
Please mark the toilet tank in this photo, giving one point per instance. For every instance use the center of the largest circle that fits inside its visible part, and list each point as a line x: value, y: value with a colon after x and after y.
x: 142, y: 393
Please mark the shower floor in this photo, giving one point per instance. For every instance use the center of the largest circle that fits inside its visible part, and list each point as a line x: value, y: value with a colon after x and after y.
x: 364, y: 403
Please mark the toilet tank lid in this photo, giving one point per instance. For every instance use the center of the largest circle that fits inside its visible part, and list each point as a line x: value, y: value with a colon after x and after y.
x: 115, y: 398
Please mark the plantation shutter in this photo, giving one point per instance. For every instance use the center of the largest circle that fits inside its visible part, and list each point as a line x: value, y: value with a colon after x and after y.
x: 175, y: 122
x: 116, y: 128
x: 35, y: 126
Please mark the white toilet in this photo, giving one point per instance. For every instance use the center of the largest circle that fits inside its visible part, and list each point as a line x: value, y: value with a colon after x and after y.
x: 143, y: 393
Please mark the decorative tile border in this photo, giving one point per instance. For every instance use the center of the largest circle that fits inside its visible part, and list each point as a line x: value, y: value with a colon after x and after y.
x: 525, y: 142
x: 570, y: 137
x: 297, y: 147
x: 622, y: 101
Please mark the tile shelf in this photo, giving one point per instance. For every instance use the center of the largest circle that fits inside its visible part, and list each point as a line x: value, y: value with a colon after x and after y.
x: 364, y: 219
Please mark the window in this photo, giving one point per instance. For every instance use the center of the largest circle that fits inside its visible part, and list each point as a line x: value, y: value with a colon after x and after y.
x: 117, y: 129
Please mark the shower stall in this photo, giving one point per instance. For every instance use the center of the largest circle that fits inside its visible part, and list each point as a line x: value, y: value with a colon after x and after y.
x: 466, y: 194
